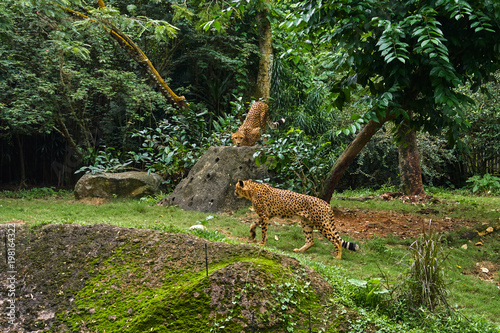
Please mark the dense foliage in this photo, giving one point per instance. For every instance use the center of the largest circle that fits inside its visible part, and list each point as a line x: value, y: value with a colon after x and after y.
x: 72, y: 100
x: 412, y: 56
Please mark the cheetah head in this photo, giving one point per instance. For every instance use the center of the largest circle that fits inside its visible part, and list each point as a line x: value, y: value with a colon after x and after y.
x: 243, y: 190
x: 237, y: 138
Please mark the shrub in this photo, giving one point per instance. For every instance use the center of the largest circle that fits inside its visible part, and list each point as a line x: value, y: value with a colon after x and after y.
x: 299, y: 163
x: 486, y: 184
x: 423, y: 285
x: 169, y: 149
x: 369, y: 292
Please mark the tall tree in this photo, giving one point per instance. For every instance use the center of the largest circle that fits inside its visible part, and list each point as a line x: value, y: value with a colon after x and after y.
x: 266, y: 52
x: 56, y: 79
x: 260, y: 10
x: 412, y: 56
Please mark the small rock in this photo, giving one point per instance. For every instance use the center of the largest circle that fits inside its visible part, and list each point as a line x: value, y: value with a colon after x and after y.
x: 197, y: 226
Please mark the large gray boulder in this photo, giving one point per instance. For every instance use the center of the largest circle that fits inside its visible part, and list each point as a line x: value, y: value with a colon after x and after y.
x: 131, y: 184
x: 209, y: 186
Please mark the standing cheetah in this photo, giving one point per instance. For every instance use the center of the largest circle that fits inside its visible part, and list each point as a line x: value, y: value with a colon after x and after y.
x: 314, y: 213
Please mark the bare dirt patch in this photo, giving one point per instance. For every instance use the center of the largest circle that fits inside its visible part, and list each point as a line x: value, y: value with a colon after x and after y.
x: 93, y: 201
x: 486, y: 271
x: 366, y: 224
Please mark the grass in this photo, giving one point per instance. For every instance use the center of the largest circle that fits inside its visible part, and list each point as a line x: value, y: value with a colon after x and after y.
x: 453, y: 204
x: 384, y: 258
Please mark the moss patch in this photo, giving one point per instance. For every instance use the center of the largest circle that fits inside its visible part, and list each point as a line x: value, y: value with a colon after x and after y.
x: 105, y: 278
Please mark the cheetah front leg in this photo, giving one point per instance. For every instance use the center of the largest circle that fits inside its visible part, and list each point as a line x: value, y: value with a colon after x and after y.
x: 252, y: 230
x: 253, y: 136
x: 263, y: 225
x: 308, y: 232
x: 263, y: 222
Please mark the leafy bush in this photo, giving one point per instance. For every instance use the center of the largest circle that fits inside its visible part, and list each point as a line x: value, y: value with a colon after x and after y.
x: 169, y: 149
x: 369, y: 292
x: 299, y: 163
x: 107, y: 160
x: 486, y: 184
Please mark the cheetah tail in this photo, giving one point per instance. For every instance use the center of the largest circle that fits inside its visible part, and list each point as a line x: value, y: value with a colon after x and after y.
x: 277, y: 123
x: 350, y: 246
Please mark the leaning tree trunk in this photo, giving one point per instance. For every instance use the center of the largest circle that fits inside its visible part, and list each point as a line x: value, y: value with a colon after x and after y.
x: 136, y: 54
x: 409, y: 161
x: 266, y: 56
x: 348, y: 156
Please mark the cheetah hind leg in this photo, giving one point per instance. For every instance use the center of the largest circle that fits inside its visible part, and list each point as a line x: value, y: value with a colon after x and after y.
x: 338, y: 244
x: 332, y: 235
x: 308, y: 232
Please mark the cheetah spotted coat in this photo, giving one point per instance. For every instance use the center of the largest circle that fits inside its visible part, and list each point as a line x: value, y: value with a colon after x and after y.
x: 255, y: 122
x: 314, y: 213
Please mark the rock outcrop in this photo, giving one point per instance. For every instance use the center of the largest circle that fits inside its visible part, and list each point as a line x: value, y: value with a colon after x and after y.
x: 131, y: 184
x: 209, y: 186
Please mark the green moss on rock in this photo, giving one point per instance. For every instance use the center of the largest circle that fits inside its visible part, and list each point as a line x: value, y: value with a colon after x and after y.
x: 105, y: 278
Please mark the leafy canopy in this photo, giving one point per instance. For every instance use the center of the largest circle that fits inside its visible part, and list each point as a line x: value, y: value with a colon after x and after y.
x: 412, y: 56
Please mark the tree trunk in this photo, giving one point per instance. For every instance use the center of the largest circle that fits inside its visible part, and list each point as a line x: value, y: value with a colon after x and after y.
x: 22, y: 166
x: 409, y: 161
x: 348, y: 156
x: 266, y: 56
x: 64, y: 131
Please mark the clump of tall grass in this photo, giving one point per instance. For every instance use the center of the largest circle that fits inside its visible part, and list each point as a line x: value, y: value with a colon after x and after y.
x: 423, y: 284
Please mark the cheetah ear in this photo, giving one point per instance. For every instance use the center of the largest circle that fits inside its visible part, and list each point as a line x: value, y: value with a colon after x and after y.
x: 240, y: 182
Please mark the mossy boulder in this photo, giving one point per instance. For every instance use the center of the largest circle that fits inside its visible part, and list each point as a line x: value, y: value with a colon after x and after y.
x: 74, y: 278
x: 130, y: 184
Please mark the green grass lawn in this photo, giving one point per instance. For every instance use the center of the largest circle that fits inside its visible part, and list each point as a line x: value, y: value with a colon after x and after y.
x: 384, y: 258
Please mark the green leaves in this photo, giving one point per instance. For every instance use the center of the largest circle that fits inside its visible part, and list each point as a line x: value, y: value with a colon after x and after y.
x: 301, y: 163
x: 390, y: 45
x: 212, y: 24
x: 430, y: 38
x: 487, y: 184
x: 369, y: 291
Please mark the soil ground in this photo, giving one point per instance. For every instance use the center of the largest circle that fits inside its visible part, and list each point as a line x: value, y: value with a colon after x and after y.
x: 363, y: 224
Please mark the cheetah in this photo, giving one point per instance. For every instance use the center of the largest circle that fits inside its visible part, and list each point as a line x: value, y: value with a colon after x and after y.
x: 314, y: 213
x: 256, y: 120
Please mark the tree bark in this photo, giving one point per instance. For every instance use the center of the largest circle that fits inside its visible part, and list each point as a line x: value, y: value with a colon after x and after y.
x: 266, y: 56
x: 409, y: 161
x: 64, y: 131
x: 22, y: 166
x: 348, y: 156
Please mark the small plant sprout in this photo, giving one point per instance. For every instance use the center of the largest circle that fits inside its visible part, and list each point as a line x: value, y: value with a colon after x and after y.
x: 206, y: 220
